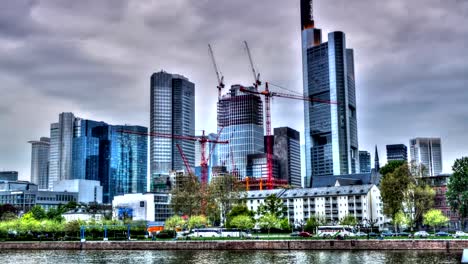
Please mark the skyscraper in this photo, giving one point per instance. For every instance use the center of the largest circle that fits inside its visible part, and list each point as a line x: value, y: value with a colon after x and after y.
x: 40, y: 162
x: 287, y: 149
x: 328, y: 74
x: 61, y: 144
x: 397, y: 152
x: 364, y: 162
x: 241, y: 116
x: 172, y: 112
x: 427, y: 152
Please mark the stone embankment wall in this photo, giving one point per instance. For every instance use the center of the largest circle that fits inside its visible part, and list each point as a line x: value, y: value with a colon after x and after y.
x: 448, y: 245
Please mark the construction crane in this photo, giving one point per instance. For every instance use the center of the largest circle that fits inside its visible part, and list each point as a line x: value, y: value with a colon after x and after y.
x: 219, y: 75
x: 184, y: 158
x: 202, y: 140
x: 256, y: 75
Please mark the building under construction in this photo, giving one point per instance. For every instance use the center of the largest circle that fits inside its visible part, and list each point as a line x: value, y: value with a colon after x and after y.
x: 241, y: 117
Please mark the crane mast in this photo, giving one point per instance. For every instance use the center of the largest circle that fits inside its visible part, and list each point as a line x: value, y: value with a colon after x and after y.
x: 218, y: 73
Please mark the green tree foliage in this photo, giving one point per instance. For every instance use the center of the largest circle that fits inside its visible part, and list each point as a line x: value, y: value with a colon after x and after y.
x: 239, y: 209
x: 197, y: 221
x: 269, y: 221
x: 243, y: 222
x: 314, y: 222
x: 418, y: 199
x: 273, y: 205
x: 393, y: 187
x: 435, y: 218
x: 174, y: 222
x: 400, y: 220
x: 349, y: 220
x: 391, y: 166
x: 457, y: 188
x: 223, y: 192
x: 7, y: 212
x: 188, y: 196
x: 38, y: 212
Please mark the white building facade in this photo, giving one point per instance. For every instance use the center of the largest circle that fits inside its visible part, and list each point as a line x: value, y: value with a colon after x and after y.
x: 88, y: 191
x: 151, y: 207
x: 331, y: 203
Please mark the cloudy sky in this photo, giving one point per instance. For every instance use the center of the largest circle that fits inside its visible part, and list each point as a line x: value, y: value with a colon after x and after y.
x: 94, y: 58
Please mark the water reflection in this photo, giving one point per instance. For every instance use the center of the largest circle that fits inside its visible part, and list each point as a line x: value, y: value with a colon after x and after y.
x: 231, y: 257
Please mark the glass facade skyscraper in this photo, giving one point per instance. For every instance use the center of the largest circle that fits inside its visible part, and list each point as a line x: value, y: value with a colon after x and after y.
x: 100, y: 152
x: 364, y: 162
x: 287, y: 150
x: 40, y: 162
x: 241, y: 116
x: 128, y: 162
x: 61, y: 144
x: 397, y: 152
x: 328, y: 74
x: 172, y: 113
x: 428, y: 153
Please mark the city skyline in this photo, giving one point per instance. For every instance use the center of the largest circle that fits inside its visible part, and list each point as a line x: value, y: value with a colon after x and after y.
x: 98, y: 69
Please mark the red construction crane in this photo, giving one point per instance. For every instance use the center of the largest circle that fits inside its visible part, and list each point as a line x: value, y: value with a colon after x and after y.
x: 184, y: 158
x: 268, y: 94
x: 202, y: 140
x: 219, y: 75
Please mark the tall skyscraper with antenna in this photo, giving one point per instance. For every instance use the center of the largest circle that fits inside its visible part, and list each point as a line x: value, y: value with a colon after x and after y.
x: 328, y: 74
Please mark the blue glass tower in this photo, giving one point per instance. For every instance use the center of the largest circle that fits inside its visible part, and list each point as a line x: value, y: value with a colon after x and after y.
x: 328, y: 74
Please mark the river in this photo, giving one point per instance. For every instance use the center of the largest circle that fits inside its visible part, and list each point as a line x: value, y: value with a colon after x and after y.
x: 228, y: 257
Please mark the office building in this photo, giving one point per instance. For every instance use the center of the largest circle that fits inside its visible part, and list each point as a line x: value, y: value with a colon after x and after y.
x: 331, y: 134
x: 88, y: 191
x: 257, y: 167
x: 172, y: 113
x: 152, y: 207
x: 40, y: 162
x: 397, y: 152
x: 428, y: 153
x: 287, y: 150
x: 25, y: 195
x: 61, y: 144
x: 364, y: 162
x: 241, y: 117
x: 8, y: 175
x: 330, y: 203
x: 116, y: 156
x: 86, y: 149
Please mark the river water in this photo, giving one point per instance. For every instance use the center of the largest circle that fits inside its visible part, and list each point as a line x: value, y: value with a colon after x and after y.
x: 228, y: 257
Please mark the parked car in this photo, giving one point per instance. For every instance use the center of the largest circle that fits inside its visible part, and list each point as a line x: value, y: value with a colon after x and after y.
x: 387, y: 234
x: 360, y: 234
x: 421, y: 234
x: 294, y: 234
x: 459, y: 234
x: 442, y: 234
x: 373, y: 234
x: 305, y: 234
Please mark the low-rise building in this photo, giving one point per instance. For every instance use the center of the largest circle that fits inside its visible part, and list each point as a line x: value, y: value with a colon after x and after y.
x: 25, y: 195
x: 8, y: 175
x: 82, y: 216
x: 152, y: 207
x: 88, y: 191
x: 330, y: 203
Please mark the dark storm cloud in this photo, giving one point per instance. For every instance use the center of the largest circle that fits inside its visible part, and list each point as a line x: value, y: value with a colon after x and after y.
x: 95, y: 58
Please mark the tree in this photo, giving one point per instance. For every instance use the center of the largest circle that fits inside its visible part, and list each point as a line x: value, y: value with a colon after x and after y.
x: 187, y: 197
x: 239, y: 209
x: 174, y: 222
x: 313, y: 223
x: 197, y: 221
x: 349, y: 220
x: 244, y: 222
x: 273, y: 205
x: 457, y: 191
x: 269, y: 221
x: 418, y: 199
x: 400, y: 220
x: 7, y: 211
x: 223, y: 192
x: 435, y: 218
x: 38, y: 212
x: 393, y: 187
x: 391, y: 166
